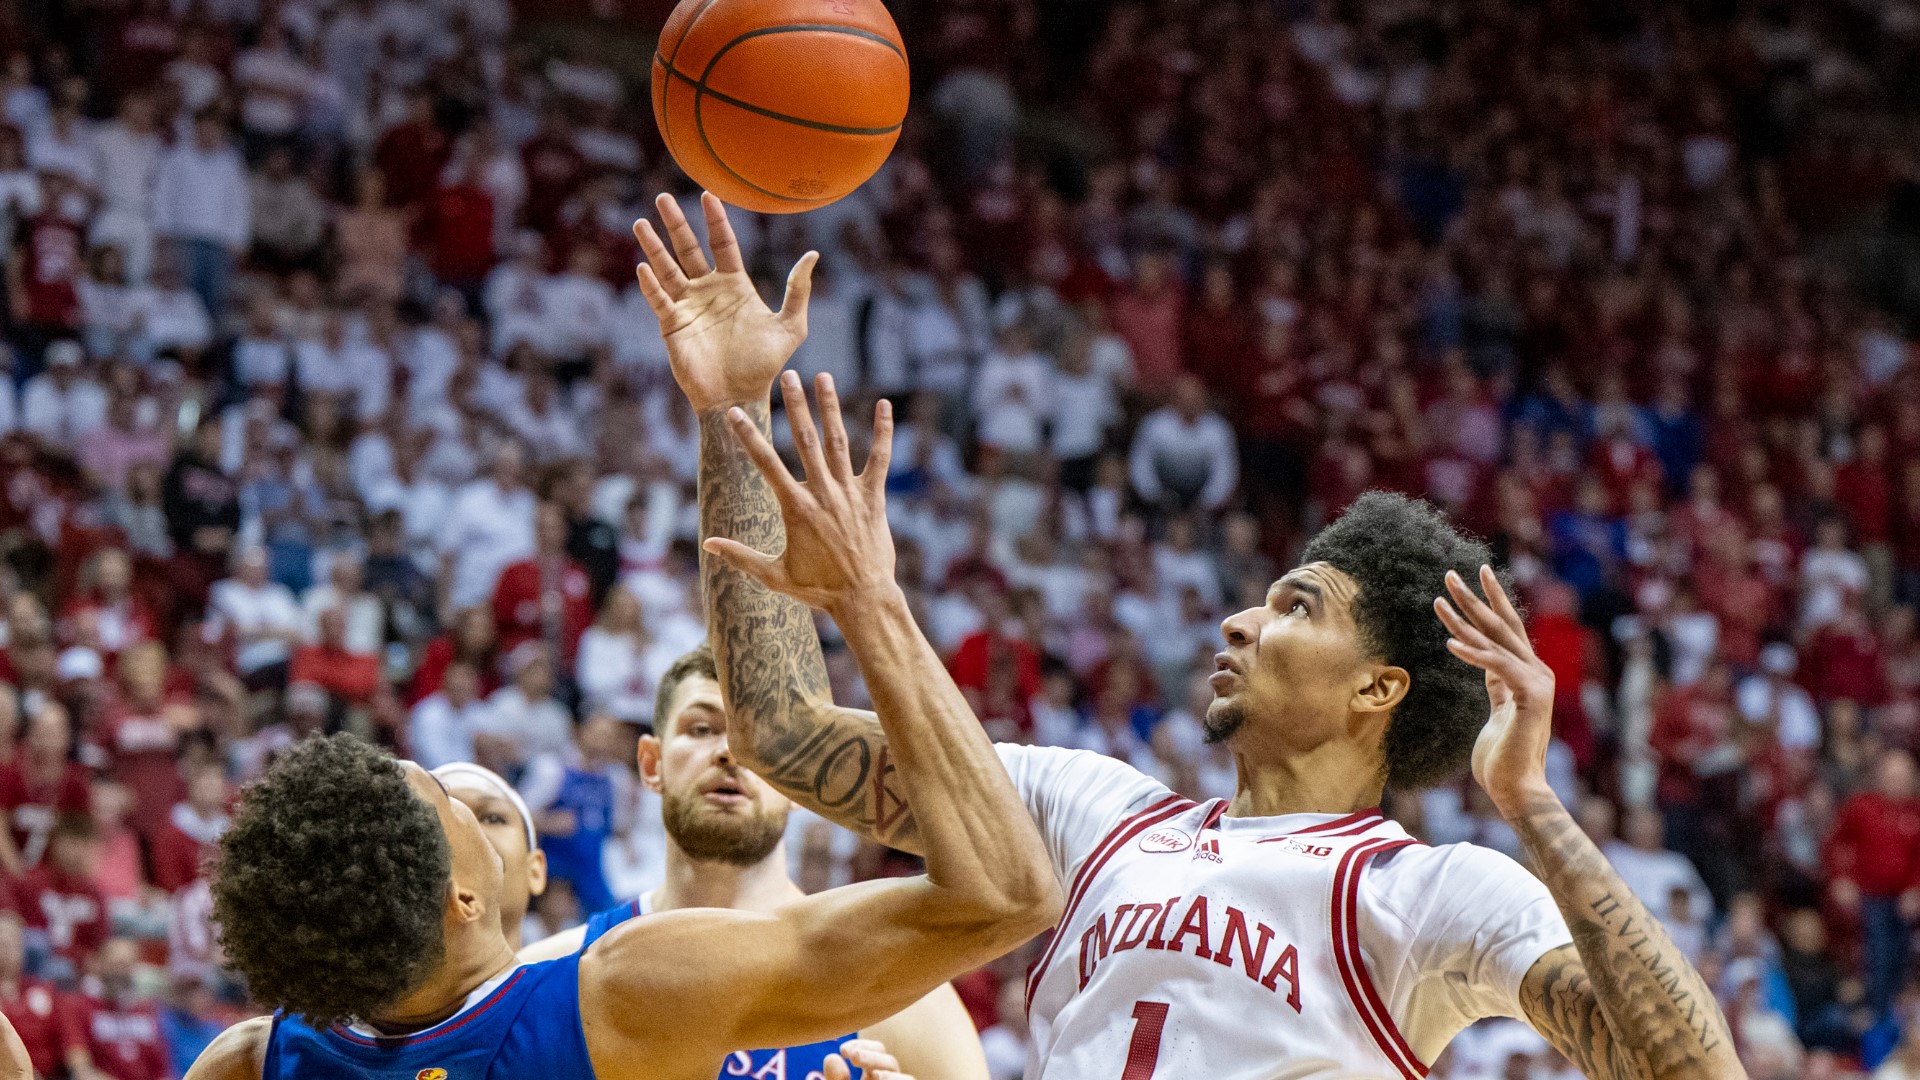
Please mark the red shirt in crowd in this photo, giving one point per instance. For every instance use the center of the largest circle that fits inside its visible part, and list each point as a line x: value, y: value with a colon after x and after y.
x: 50, y: 274
x: 142, y: 744
x: 1862, y: 490
x: 349, y: 676
x: 70, y: 910
x: 41, y: 1016
x: 555, y: 168
x: 432, y: 670
x: 459, y: 228
x: 178, y: 853
x: 31, y: 804
x: 1876, y: 844
x: 1687, y: 724
x: 410, y: 157
x: 974, y: 659
x: 124, y: 1040
x: 526, y: 594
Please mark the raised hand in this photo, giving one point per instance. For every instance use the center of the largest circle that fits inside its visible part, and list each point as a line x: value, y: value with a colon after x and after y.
x: 724, y: 344
x: 1510, y: 757
x: 868, y: 1054
x: 839, y: 550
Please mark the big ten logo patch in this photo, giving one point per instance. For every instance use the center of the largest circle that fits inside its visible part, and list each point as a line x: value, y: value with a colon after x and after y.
x: 1300, y: 847
x: 1161, y: 841
x: 430, y: 1074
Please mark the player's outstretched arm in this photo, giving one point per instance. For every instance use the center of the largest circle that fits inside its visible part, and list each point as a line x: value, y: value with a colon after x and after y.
x: 846, y: 958
x: 14, y: 1062
x: 726, y: 347
x: 1621, y: 1002
x: 974, y: 828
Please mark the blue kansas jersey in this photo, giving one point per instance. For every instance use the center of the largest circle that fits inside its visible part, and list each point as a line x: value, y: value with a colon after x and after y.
x: 528, y: 1026
x: 790, y: 1063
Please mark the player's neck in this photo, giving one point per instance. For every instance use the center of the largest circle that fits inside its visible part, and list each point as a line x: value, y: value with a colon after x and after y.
x: 1335, y: 778
x: 467, y: 967
x: 693, y: 883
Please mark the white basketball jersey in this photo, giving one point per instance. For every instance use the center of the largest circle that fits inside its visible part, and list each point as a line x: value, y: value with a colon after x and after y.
x: 1189, y: 951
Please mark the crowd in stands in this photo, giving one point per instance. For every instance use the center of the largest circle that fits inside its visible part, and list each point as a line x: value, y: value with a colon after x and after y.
x: 331, y: 403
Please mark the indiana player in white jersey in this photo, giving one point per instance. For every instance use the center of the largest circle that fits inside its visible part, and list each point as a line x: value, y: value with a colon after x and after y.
x: 1288, y: 932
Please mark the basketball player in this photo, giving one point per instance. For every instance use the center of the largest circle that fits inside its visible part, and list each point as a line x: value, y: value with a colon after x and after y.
x: 724, y: 827
x: 503, y: 817
x: 364, y: 905
x: 1290, y: 931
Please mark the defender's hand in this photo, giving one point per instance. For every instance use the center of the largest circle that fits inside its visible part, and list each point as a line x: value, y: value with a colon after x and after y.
x: 839, y: 549
x: 868, y: 1054
x: 724, y: 345
x: 1510, y: 757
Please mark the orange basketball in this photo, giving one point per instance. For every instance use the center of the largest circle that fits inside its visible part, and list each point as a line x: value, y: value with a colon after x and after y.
x: 780, y: 105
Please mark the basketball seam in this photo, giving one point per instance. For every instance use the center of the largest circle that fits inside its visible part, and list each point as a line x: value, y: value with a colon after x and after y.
x: 666, y: 62
x: 701, y: 90
x: 799, y: 121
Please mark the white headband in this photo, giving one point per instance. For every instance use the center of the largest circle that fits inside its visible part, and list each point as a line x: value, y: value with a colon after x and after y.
x: 488, y: 780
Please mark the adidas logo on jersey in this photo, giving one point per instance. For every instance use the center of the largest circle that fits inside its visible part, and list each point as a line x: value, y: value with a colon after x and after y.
x: 1209, y: 850
x: 1161, y: 841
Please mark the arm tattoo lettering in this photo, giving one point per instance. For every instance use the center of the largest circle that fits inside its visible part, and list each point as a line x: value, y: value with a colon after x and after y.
x: 832, y: 760
x: 1621, y: 1002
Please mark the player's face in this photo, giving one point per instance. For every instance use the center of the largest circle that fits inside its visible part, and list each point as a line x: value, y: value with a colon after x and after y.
x: 1293, y: 666
x: 476, y: 865
x: 524, y: 871
x: 713, y: 808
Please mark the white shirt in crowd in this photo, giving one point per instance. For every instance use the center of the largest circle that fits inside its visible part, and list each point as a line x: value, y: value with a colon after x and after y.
x: 613, y: 675
x: 533, y: 728
x: 61, y: 415
x: 178, y: 319
x: 127, y: 163
x: 1087, y: 410
x: 485, y: 531
x: 249, y: 613
x: 440, y: 732
x: 1168, y: 449
x: 1012, y: 401
x: 1654, y: 875
x: 203, y: 195
x: 1797, y: 722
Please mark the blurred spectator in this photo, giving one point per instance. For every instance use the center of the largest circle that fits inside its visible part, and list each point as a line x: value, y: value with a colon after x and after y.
x: 1873, y: 864
x: 60, y: 900
x: 142, y: 726
x: 546, y: 598
x: 122, y: 1032
x: 443, y: 724
x: 254, y: 619
x: 523, y: 720
x: 349, y: 677
x: 1184, y: 456
x: 182, y: 845
x: 41, y: 784
x: 489, y: 527
x: 38, y: 1011
x: 581, y: 796
x: 201, y: 205
x: 615, y: 672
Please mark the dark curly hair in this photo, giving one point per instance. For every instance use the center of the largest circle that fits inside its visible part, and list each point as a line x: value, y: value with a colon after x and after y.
x: 329, y: 889
x: 1398, y: 551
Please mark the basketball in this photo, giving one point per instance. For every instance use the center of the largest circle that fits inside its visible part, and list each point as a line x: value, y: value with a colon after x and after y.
x: 780, y: 105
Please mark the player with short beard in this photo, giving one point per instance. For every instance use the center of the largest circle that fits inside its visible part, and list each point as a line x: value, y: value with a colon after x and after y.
x: 724, y: 828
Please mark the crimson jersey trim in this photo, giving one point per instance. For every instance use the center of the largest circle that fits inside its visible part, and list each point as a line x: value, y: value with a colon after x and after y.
x: 1353, y: 968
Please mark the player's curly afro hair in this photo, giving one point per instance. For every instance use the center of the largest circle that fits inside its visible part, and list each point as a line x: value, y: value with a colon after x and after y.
x: 329, y: 889
x: 1398, y: 551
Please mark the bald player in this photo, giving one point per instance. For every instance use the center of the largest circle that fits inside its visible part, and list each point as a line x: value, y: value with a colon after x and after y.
x: 724, y: 849
x: 504, y: 818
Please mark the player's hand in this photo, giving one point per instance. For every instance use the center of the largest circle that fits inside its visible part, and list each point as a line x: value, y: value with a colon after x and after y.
x: 839, y: 550
x: 725, y: 346
x: 1510, y: 757
x: 866, y: 1054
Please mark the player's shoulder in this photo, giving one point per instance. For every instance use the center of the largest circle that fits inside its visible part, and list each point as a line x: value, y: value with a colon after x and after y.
x: 238, y: 1053
x: 1417, y: 879
x: 1057, y: 766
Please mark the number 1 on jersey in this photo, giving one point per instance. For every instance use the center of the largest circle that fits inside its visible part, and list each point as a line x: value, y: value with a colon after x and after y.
x: 1143, y: 1053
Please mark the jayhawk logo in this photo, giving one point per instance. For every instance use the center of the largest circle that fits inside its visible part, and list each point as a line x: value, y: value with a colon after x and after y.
x: 430, y: 1074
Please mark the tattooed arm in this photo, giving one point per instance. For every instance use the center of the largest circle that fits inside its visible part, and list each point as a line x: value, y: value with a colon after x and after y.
x: 1621, y: 1002
x: 783, y: 723
x: 726, y: 347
